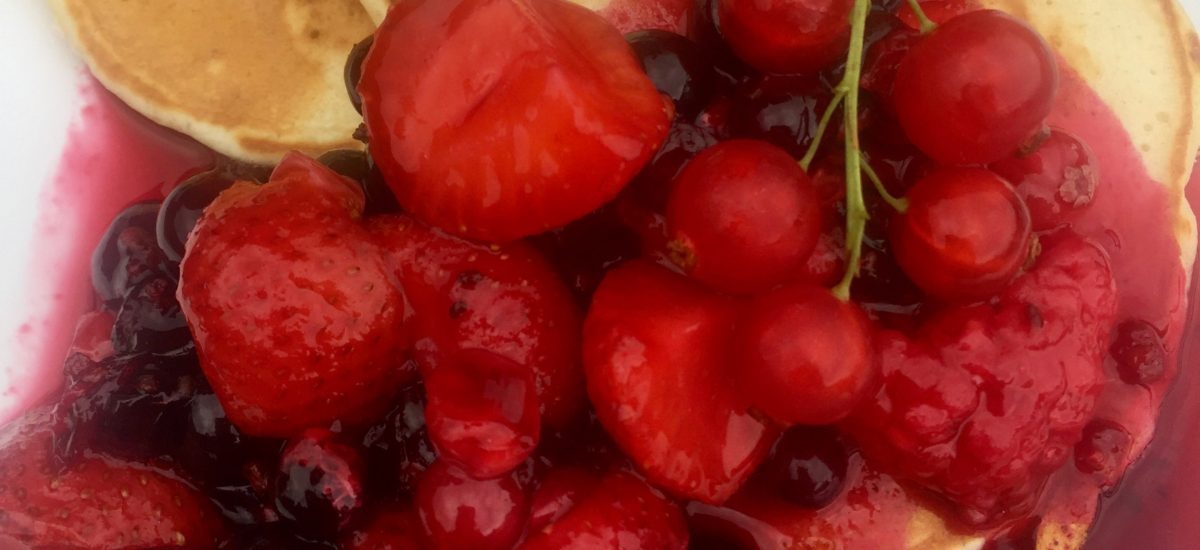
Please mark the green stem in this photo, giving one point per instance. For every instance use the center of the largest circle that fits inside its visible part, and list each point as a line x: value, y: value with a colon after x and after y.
x: 856, y: 209
x: 927, y: 25
x: 826, y: 118
x: 900, y: 204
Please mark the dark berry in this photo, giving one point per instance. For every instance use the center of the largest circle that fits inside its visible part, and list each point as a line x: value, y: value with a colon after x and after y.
x: 585, y: 250
x: 128, y: 252
x: 459, y: 511
x: 557, y: 493
x: 183, y: 207
x: 807, y: 467
x: 783, y: 110
x: 1056, y: 179
x: 1139, y: 353
x: 354, y: 69
x: 319, y: 486
x: 677, y: 67
x: 358, y: 166
x: 1103, y: 451
x: 150, y: 320
x: 653, y: 185
x: 137, y: 407
x: 398, y: 449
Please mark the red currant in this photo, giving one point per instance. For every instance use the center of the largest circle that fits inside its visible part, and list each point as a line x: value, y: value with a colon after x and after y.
x: 786, y: 36
x: 972, y: 91
x: 483, y: 412
x: 459, y: 511
x: 1059, y: 177
x: 806, y: 356
x: 965, y: 234
x: 743, y: 217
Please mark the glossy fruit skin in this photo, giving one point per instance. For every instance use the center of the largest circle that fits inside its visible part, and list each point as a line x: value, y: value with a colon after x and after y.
x: 943, y: 417
x: 655, y: 345
x: 806, y: 356
x: 483, y: 412
x: 786, y: 36
x: 391, y: 526
x: 965, y: 235
x: 1058, y: 178
x: 975, y: 89
x: 677, y: 67
x: 807, y: 467
x: 743, y: 217
x: 555, y: 81
x: 320, y: 484
x: 458, y: 511
x: 97, y: 502
x: 397, y: 448
x: 127, y: 253
x: 557, y: 493
x: 783, y: 110
x: 183, y: 207
x: 622, y: 511
x: 312, y: 277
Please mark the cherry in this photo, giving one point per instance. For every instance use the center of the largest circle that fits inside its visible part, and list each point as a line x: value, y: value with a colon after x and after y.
x: 806, y: 356
x: 483, y: 412
x: 458, y: 511
x: 1139, y: 353
x: 807, y: 466
x: 677, y: 67
x: 398, y: 448
x: 965, y: 234
x: 938, y: 11
x: 183, y: 208
x: 319, y: 487
x: 783, y: 110
x: 975, y: 89
x: 557, y: 494
x: 127, y: 253
x: 743, y: 217
x: 1103, y: 451
x: 1058, y: 178
x: 786, y: 36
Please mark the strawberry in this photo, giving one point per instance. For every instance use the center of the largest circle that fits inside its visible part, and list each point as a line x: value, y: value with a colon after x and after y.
x: 507, y: 300
x: 390, y: 527
x: 620, y: 511
x: 656, y: 357
x: 638, y: 15
x: 296, y: 318
x: 498, y: 119
x: 98, y: 503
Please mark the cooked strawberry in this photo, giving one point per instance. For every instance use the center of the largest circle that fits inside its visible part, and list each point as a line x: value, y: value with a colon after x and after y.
x: 638, y: 15
x: 98, y: 502
x: 498, y: 119
x: 656, y: 357
x: 295, y: 315
x: 621, y: 512
x: 986, y: 401
x: 506, y: 299
x: 390, y: 527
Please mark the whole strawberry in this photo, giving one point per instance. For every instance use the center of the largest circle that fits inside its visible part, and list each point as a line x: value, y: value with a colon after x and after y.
x: 295, y: 316
x: 98, y: 502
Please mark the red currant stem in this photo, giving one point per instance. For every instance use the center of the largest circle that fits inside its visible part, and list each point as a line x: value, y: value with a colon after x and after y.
x: 927, y: 25
x: 826, y: 118
x: 899, y: 203
x: 856, y: 209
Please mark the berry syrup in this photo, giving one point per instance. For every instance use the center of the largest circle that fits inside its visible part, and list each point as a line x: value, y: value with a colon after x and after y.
x: 113, y: 157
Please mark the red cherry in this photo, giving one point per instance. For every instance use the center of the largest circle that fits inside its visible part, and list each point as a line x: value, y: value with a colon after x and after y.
x: 458, y: 511
x: 965, y: 235
x: 806, y: 356
x: 743, y: 216
x: 483, y: 412
x: 1056, y: 179
x: 976, y: 88
x: 786, y: 36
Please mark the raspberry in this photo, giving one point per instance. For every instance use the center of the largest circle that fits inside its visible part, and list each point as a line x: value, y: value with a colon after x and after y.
x: 984, y: 402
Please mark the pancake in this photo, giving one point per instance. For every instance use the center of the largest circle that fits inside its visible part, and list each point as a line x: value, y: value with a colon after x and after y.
x: 251, y: 80
x: 378, y: 8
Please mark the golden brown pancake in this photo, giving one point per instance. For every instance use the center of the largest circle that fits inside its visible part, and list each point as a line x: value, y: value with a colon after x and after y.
x: 378, y: 8
x: 250, y: 79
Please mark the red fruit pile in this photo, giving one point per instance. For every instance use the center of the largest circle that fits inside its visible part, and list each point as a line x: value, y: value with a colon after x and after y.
x: 607, y: 295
